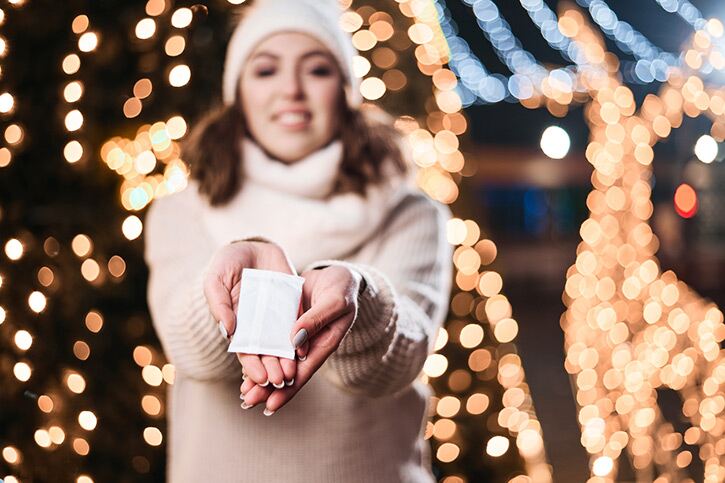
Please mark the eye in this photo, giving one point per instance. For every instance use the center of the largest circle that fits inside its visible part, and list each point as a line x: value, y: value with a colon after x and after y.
x: 321, y: 71
x: 264, y: 72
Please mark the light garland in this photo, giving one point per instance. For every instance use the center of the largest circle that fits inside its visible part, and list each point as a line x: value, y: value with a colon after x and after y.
x: 616, y: 104
x: 489, y: 306
x: 686, y: 10
x: 13, y: 133
x: 629, y: 328
x: 73, y: 91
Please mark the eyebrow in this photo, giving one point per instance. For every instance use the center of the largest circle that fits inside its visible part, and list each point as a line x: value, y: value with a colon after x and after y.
x: 304, y: 56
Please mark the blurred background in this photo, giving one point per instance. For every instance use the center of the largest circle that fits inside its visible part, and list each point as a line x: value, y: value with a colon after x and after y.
x: 579, y: 145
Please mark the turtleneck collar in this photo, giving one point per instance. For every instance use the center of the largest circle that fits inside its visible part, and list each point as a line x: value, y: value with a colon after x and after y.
x: 313, y: 176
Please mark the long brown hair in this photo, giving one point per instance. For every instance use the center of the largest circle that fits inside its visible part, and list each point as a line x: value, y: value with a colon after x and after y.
x: 212, y: 150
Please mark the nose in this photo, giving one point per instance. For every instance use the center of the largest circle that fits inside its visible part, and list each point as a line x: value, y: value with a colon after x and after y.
x: 292, y: 85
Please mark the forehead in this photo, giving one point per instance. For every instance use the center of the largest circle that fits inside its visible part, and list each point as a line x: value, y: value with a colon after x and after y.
x: 289, y: 45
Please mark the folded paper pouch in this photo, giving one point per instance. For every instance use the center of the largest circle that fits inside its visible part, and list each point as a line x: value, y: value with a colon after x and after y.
x: 267, y: 310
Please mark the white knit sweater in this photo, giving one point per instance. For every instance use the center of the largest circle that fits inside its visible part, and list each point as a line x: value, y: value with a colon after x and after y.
x: 361, y: 417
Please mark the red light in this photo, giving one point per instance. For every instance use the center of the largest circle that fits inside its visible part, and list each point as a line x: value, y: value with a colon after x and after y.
x: 685, y: 201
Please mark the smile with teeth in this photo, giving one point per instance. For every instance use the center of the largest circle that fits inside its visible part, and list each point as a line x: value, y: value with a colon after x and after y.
x: 293, y: 119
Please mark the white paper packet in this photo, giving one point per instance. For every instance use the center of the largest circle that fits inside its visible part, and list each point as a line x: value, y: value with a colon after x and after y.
x: 268, y: 306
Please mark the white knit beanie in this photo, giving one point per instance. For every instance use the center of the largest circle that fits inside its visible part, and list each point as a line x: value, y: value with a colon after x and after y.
x: 319, y: 18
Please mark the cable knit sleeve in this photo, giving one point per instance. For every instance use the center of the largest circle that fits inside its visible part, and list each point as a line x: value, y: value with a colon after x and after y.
x: 177, y: 254
x: 408, y: 279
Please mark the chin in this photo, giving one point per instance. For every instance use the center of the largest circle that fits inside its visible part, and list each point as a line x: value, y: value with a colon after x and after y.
x: 292, y: 152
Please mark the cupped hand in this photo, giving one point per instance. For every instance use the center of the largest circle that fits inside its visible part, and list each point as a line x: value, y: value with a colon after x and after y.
x: 221, y: 288
x: 329, y: 298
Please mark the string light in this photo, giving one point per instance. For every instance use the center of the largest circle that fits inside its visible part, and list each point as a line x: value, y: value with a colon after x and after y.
x: 613, y: 104
x: 629, y: 328
x: 14, y: 249
x: 73, y: 92
x: 652, y: 63
x: 434, y: 152
x: 13, y: 133
x: 686, y: 10
x: 546, y: 21
x: 555, y: 142
x: 706, y: 149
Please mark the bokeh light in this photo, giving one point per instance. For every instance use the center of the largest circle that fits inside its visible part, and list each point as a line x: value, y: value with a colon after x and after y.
x: 555, y: 142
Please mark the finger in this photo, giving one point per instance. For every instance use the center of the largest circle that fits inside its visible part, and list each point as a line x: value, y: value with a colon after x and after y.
x: 246, y: 386
x: 254, y: 368
x: 302, y: 351
x: 274, y: 370
x: 318, y: 316
x: 289, y: 368
x: 320, y: 349
x: 219, y: 299
x: 256, y: 395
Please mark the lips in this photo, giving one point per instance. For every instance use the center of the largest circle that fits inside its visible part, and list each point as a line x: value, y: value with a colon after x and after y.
x: 293, y: 118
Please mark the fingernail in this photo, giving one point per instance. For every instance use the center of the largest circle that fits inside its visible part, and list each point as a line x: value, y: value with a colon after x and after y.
x: 223, y: 330
x: 266, y: 383
x: 302, y: 358
x: 244, y: 377
x: 300, y: 338
x: 281, y: 385
x: 241, y: 396
x: 247, y: 406
x: 290, y: 382
x: 267, y: 412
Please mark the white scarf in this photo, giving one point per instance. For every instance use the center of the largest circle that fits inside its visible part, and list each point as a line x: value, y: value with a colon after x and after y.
x: 294, y: 206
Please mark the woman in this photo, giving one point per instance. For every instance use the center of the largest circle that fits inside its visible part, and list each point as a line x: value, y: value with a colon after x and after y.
x: 292, y: 176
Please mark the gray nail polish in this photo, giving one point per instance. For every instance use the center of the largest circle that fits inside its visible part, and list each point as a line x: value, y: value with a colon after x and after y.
x: 300, y: 338
x: 223, y: 330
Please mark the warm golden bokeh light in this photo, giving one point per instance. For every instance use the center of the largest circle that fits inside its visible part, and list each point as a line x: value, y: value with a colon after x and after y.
x: 37, y: 301
x: 179, y: 75
x: 23, y: 340
x: 45, y: 404
x: 71, y: 64
x: 73, y: 91
x: 88, y: 42
x: 73, y: 151
x: 152, y: 436
x: 14, y: 249
x: 81, y: 350
x: 87, y: 420
x: 82, y: 245
x: 175, y: 45
x: 94, y: 321
x: 22, y: 371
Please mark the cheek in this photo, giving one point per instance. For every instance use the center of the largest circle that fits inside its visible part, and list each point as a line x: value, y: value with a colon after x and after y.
x: 326, y: 98
x: 255, y: 93
x: 254, y: 97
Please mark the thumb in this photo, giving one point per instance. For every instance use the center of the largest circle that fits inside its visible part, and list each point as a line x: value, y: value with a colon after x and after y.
x: 219, y: 300
x: 271, y: 256
x: 326, y: 310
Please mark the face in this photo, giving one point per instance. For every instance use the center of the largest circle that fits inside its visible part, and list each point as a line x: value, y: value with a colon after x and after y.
x: 290, y: 90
